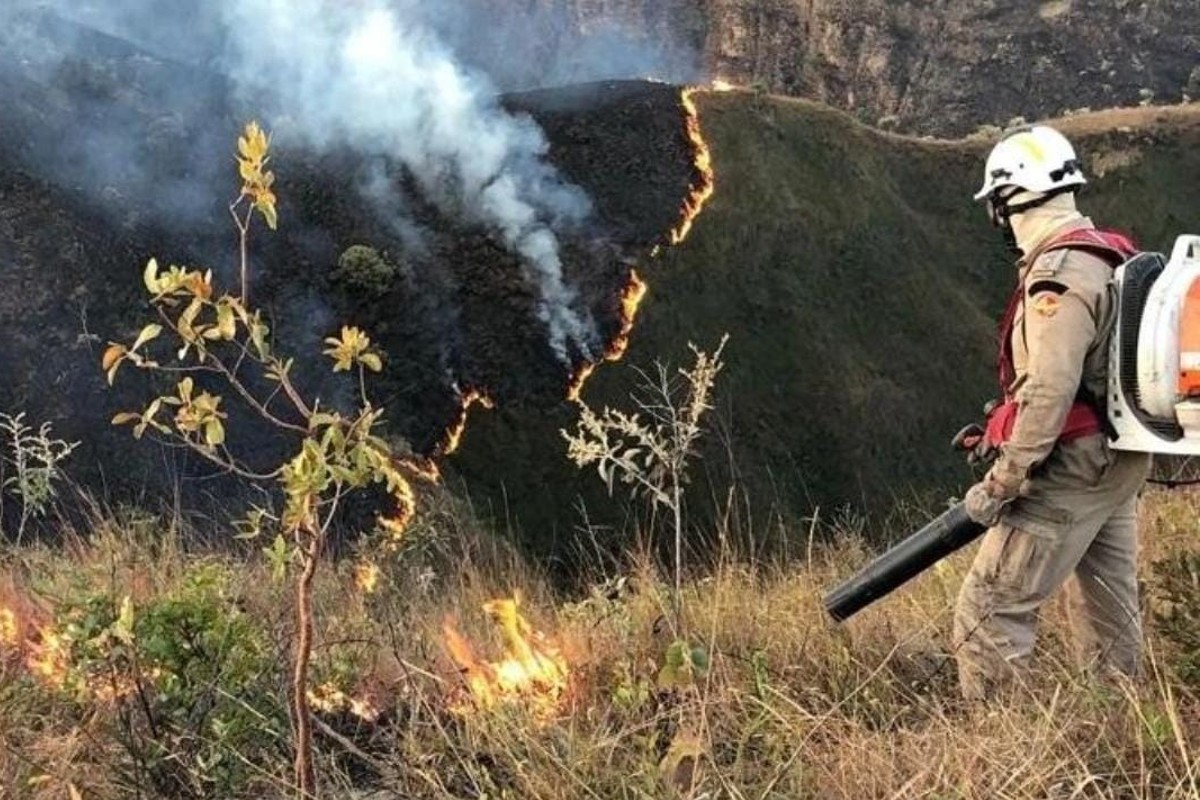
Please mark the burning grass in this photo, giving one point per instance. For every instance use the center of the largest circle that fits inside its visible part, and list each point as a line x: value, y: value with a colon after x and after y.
x: 702, y: 188
x: 781, y: 705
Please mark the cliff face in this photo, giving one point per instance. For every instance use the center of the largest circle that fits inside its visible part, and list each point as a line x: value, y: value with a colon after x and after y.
x: 927, y: 66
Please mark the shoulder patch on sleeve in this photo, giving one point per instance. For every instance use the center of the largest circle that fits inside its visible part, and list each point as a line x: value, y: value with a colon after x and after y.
x: 1044, y: 285
x: 1048, y: 265
x: 1046, y: 304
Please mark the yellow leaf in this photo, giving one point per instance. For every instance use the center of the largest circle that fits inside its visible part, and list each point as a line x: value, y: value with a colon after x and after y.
x: 226, y: 322
x: 150, y: 276
x: 247, y: 170
x: 371, y: 361
x: 184, y: 325
x: 214, y: 433
x: 148, y: 333
x: 258, y: 335
x: 123, y: 627
x: 125, y: 417
x: 267, y: 209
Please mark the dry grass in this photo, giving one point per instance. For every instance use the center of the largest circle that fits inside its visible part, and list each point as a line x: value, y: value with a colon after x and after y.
x: 790, y: 706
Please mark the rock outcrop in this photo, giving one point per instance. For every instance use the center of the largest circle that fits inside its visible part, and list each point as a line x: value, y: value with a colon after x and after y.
x: 928, y: 66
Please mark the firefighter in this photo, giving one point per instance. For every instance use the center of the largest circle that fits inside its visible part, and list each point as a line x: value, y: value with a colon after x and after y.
x: 1060, y: 505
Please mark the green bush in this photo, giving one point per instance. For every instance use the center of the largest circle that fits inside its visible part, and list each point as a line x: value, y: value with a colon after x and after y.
x: 192, y: 679
x: 366, y: 269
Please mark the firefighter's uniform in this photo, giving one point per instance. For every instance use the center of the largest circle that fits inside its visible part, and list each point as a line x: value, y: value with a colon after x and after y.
x: 1072, y: 518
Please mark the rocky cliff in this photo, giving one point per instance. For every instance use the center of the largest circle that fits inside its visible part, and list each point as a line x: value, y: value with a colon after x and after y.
x: 929, y: 66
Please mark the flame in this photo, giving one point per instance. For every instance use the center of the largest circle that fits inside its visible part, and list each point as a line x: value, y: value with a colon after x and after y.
x: 701, y: 191
x: 422, y: 468
x: 45, y: 651
x: 631, y: 299
x: 366, y: 577
x: 49, y: 658
x: 533, y: 672
x: 454, y: 434
x: 704, y: 188
x: 722, y: 85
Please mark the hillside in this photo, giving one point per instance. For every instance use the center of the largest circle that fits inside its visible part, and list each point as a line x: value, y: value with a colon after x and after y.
x: 857, y: 280
x: 860, y: 285
x: 115, y: 156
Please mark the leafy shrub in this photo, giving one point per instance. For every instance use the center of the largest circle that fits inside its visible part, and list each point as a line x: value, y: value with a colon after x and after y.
x: 366, y: 269
x: 192, y: 681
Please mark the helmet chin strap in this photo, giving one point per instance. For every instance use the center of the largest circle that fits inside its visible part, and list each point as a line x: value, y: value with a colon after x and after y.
x: 1000, y: 215
x: 1001, y: 211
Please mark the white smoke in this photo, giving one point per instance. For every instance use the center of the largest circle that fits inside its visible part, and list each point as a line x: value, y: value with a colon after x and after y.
x: 370, y: 76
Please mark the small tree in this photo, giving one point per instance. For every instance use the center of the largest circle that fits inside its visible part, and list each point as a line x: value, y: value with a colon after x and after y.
x: 649, y: 449
x: 220, y: 340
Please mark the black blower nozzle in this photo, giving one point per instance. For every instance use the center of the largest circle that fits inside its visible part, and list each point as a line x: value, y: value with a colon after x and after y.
x: 951, y: 531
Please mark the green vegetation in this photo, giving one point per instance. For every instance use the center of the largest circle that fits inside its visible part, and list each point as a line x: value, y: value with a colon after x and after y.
x: 30, y: 469
x: 367, y: 270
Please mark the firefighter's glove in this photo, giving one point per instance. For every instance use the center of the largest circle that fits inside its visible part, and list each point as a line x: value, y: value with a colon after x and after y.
x: 986, y: 500
x: 973, y: 441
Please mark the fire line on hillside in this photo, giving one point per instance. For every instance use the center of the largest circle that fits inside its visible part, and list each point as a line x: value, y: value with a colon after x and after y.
x: 635, y: 290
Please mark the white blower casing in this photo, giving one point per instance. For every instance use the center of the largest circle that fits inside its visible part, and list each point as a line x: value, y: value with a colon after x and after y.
x: 1146, y: 406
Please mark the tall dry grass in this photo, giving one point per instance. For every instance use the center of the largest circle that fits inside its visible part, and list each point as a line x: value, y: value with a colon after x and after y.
x: 789, y: 706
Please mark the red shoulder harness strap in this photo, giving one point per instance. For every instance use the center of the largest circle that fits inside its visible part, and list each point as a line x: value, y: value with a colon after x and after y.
x: 1083, y: 419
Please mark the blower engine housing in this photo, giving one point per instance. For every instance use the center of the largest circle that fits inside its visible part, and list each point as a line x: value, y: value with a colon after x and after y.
x: 1154, y: 358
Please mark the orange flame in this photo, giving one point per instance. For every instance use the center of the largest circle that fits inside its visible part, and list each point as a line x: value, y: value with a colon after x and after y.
x: 704, y: 188
x: 46, y: 654
x: 10, y: 632
x: 631, y: 299
x: 48, y: 659
x: 533, y: 671
x: 454, y: 434
x: 425, y: 468
x: 701, y: 191
x: 575, y: 386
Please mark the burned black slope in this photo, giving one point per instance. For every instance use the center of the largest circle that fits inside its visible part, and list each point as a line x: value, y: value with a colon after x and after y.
x: 456, y: 312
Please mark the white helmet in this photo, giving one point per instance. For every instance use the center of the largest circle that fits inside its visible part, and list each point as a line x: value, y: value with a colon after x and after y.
x: 1037, y: 159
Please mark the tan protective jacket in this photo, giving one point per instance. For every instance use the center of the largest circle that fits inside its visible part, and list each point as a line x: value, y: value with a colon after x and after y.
x: 1059, y: 344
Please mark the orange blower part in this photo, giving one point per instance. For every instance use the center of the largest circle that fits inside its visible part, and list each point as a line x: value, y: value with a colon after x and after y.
x: 1189, y: 343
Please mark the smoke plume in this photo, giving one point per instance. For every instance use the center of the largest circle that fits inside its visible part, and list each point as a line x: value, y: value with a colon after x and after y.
x: 381, y: 78
x: 374, y: 78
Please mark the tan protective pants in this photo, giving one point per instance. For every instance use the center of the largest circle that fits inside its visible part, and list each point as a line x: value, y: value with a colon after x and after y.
x: 1075, y: 524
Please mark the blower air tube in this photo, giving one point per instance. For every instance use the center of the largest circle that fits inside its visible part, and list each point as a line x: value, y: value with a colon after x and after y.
x: 951, y: 531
